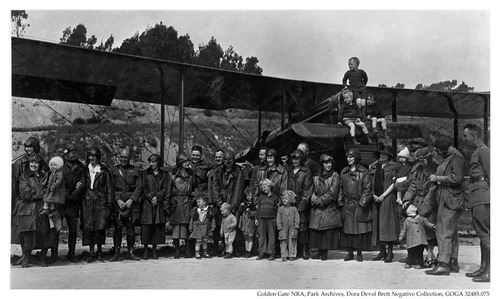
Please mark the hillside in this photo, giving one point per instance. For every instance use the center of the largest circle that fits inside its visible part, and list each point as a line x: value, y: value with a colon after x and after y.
x: 128, y: 123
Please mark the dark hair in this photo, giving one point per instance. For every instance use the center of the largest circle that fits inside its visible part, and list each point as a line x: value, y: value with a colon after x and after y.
x: 197, y: 148
x: 272, y: 152
x: 443, y: 142
x: 219, y: 150
x: 475, y: 128
x: 355, y: 59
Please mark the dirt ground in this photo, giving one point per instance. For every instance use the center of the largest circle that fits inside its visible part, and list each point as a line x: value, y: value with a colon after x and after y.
x: 245, y: 274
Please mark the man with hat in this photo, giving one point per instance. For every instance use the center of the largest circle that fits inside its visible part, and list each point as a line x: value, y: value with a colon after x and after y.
x: 449, y: 194
x: 311, y: 164
x: 301, y: 183
x: 479, y: 197
x: 386, y: 224
x: 73, y: 171
x: 126, y: 211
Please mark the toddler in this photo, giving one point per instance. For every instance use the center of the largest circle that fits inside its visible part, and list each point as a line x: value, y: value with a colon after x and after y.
x: 56, y: 187
x: 415, y: 234
x: 349, y: 114
x: 374, y: 114
x: 247, y: 221
x: 228, y: 229
x: 201, y: 225
x: 265, y: 215
x: 357, y: 80
x: 288, y: 225
x: 402, y: 170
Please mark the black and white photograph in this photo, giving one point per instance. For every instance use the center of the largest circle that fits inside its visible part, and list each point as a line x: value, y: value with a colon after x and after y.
x: 257, y: 151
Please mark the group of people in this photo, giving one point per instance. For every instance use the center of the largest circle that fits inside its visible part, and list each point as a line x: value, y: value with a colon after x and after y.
x: 286, y: 209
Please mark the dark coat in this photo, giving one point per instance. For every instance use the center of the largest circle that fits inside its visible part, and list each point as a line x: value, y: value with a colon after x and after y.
x: 125, y: 182
x: 201, y: 170
x: 56, y: 188
x: 96, y: 205
x: 324, y: 213
x: 301, y: 184
x: 149, y: 186
x: 179, y: 196
x: 228, y: 187
x: 31, y: 191
x: 387, y: 221
x: 450, y: 175
x: 72, y: 175
x: 356, y: 200
x: 278, y: 176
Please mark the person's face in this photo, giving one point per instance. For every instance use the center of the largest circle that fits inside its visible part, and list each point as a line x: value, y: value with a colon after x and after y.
x: 249, y: 197
x: 92, y: 158
x: 195, y: 156
x: 124, y: 158
x: 270, y: 160
x: 296, y: 162
x: 201, y: 203
x: 218, y: 158
x: 348, y: 97
x: 284, y: 159
x: 383, y: 158
x: 29, y: 150
x: 228, y: 163
x: 468, y: 137
x: 153, y: 163
x: 53, y: 166
x: 262, y: 155
x: 352, y: 65
x: 285, y: 201
x: 186, y: 164
x: 369, y: 101
x: 423, y: 162
x: 350, y: 160
x: 70, y: 156
x: 265, y: 189
x: 328, y: 165
x: 403, y: 160
x: 34, y: 165
x: 224, y: 212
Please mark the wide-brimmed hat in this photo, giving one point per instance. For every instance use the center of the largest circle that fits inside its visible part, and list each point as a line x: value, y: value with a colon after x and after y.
x: 387, y: 150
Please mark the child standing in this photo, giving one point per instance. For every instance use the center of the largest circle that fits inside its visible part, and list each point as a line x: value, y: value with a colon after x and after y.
x: 357, y: 80
x: 349, y: 115
x: 288, y: 225
x: 402, y: 170
x: 266, y: 213
x: 201, y: 225
x: 415, y: 234
x: 374, y: 114
x: 228, y: 229
x: 247, y: 221
x: 56, y: 187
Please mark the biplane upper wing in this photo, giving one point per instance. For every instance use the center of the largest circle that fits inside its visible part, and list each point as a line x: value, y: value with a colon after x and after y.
x: 66, y: 73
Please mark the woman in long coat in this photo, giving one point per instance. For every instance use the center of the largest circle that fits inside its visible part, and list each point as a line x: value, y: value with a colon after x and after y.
x: 386, y: 215
x: 151, y: 189
x: 301, y: 183
x: 96, y: 205
x: 325, y: 218
x: 356, y: 206
x: 180, y: 201
x: 274, y: 171
x: 33, y: 228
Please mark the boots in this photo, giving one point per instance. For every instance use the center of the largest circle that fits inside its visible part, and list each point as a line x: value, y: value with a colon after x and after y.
x: 324, y: 255
x: 26, y: 260
x: 71, y: 253
x: 53, y: 256
x: 355, y: 141
x: 349, y: 255
x: 306, y: 252
x: 440, y: 269
x: 360, y: 258
x: 453, y: 265
x: 485, y: 277
x: 188, y: 249
x: 176, y: 243
x: 389, y: 256
x: 43, y: 259
x: 382, y: 253
x: 369, y: 139
x: 91, y: 254
x: 146, y: 253
x: 130, y: 256
x: 154, y: 252
x: 483, y: 265
x: 116, y: 255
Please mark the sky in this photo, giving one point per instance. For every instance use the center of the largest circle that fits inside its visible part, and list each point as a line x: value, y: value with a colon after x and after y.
x: 406, y: 46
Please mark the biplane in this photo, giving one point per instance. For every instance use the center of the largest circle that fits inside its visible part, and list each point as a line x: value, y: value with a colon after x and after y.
x: 50, y: 71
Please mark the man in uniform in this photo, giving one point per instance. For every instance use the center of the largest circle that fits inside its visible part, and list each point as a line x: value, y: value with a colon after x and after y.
x: 73, y: 171
x: 212, y: 200
x: 311, y: 164
x: 479, y: 197
x: 125, y: 210
x: 449, y: 195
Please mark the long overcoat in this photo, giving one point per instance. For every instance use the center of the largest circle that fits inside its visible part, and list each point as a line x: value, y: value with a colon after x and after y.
x: 228, y: 187
x: 388, y: 223
x: 278, y: 176
x: 31, y: 191
x: 324, y: 213
x: 72, y: 175
x: 96, y: 205
x: 301, y: 184
x: 356, y: 200
x: 179, y: 196
x: 152, y: 185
